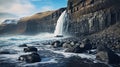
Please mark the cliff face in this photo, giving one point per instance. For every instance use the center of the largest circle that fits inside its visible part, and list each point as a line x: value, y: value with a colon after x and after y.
x: 90, y: 16
x: 42, y: 22
x: 37, y: 23
x: 84, y: 17
x: 12, y: 28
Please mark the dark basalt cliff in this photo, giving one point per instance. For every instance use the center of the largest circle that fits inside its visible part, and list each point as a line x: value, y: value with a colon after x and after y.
x: 91, y: 16
x: 37, y: 23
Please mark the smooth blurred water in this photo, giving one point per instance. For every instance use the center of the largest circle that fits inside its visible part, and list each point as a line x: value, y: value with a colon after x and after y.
x: 21, y: 39
x: 49, y: 56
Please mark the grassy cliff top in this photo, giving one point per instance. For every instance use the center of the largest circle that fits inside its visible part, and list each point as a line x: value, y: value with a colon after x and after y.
x: 37, y: 16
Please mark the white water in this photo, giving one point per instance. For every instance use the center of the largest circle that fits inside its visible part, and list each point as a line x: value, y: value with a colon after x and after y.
x: 59, y: 27
x: 21, y: 39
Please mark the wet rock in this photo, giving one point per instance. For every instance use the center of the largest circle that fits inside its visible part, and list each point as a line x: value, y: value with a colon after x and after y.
x: 66, y: 45
x: 75, y: 49
x: 30, y: 58
x: 86, y: 44
x: 73, y: 43
x: 79, y: 47
x: 8, y: 51
x: 30, y: 49
x: 5, y: 52
x: 23, y: 45
x: 106, y: 55
x: 59, y: 36
x: 76, y: 61
x: 69, y: 44
x: 56, y: 44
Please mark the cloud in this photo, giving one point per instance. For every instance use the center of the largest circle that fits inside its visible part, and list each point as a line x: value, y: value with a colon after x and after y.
x: 23, y: 8
x: 36, y: 0
x: 17, y: 7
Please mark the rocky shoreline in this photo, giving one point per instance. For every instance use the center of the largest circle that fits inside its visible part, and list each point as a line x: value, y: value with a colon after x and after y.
x: 68, y: 52
x: 94, y: 25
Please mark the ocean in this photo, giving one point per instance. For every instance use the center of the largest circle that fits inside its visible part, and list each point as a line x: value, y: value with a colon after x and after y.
x: 50, y: 57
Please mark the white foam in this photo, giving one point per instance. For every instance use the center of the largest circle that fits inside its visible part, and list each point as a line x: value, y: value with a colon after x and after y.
x: 21, y: 39
x: 82, y: 55
x: 48, y: 60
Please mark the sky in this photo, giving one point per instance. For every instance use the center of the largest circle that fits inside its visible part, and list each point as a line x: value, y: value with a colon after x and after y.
x: 21, y: 8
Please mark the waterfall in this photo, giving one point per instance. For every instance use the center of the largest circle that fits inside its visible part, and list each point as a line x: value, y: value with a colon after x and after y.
x: 60, y: 22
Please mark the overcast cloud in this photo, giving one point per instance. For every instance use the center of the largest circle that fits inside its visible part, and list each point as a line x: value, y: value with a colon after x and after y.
x: 23, y: 8
x: 17, y: 7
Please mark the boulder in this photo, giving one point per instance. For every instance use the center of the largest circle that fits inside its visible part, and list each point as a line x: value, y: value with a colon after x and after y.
x: 30, y: 49
x: 106, y: 55
x: 23, y: 45
x: 86, y: 44
x: 75, y: 49
x: 66, y: 45
x: 30, y: 58
x: 56, y: 44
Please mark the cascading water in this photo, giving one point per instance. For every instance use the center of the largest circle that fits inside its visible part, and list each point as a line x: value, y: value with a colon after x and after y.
x: 59, y: 27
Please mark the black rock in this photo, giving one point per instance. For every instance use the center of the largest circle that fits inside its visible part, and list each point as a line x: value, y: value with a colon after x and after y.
x: 75, y: 49
x: 56, y: 44
x: 8, y: 51
x: 66, y: 45
x: 107, y: 55
x: 30, y: 58
x: 87, y: 44
x: 76, y: 61
x: 59, y: 36
x: 23, y: 45
x: 4, y: 52
x: 30, y: 49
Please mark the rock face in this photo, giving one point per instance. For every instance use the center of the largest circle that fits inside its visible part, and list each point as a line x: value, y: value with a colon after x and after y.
x: 40, y: 22
x: 90, y: 16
